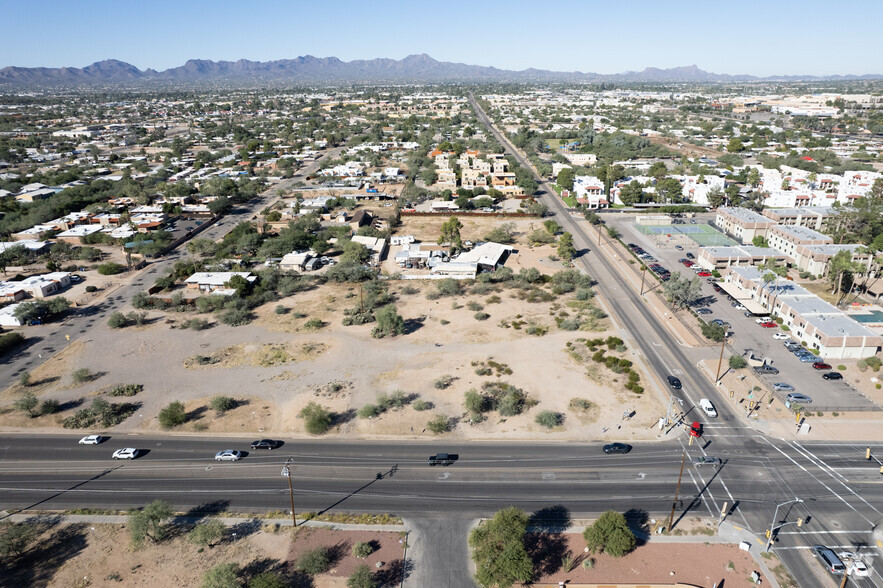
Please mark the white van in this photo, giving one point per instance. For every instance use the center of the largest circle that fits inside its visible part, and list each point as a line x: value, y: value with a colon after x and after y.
x: 708, y: 408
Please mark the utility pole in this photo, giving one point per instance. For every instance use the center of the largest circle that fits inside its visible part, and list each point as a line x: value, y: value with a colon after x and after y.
x: 720, y: 360
x: 286, y: 471
x: 674, y: 502
x: 643, y: 273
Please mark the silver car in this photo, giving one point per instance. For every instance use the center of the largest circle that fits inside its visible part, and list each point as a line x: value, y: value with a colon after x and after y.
x: 783, y: 387
x: 798, y: 398
x: 228, y: 455
x: 707, y: 460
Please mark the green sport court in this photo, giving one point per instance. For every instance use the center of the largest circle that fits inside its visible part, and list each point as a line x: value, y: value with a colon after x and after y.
x: 702, y: 235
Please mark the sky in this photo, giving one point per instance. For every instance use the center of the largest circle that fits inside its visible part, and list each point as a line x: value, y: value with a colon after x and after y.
x: 758, y: 37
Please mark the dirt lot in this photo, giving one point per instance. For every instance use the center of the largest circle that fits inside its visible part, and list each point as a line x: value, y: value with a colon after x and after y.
x: 100, y: 556
x: 280, y: 362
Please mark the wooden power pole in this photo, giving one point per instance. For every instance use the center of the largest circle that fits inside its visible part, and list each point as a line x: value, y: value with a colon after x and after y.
x: 674, y: 502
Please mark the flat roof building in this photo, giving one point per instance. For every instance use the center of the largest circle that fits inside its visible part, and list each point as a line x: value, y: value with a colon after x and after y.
x: 742, y: 224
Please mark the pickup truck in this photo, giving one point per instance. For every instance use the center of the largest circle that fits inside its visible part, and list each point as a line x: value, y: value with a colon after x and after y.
x: 766, y: 369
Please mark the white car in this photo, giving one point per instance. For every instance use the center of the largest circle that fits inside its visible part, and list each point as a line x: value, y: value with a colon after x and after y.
x: 707, y: 407
x: 127, y: 453
x: 858, y: 568
x: 228, y: 455
x: 781, y: 336
x: 91, y: 440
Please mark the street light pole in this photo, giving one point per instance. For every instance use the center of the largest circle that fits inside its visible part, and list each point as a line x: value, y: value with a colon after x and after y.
x: 286, y: 471
x: 720, y: 360
x: 773, y: 527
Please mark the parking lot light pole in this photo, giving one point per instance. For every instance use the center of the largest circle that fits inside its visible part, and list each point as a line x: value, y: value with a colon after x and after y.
x: 286, y: 471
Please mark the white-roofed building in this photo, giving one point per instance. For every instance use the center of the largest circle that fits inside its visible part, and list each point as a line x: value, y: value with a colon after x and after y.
x: 212, y: 281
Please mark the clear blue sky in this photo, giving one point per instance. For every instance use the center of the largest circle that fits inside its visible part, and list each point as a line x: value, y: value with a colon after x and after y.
x: 760, y: 37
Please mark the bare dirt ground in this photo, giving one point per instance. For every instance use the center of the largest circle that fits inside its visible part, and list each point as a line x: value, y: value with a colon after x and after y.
x: 100, y: 556
x: 280, y: 362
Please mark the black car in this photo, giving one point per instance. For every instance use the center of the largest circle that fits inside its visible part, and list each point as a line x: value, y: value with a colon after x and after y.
x: 444, y: 459
x: 674, y: 383
x: 614, y: 448
x: 265, y: 444
x: 833, y: 376
x: 690, y: 256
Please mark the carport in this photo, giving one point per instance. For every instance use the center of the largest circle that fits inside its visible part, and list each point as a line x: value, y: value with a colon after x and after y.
x: 743, y: 298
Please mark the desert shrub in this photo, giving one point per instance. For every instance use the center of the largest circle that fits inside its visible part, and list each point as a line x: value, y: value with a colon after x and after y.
x: 474, y: 306
x: 172, y: 415
x: 397, y: 399
x: 222, y: 403
x: 370, y: 411
x: 873, y: 362
x: 476, y: 402
x: 484, y: 371
x: 421, y: 405
x: 409, y: 290
x: 314, y: 324
x: 110, y: 268
x: 91, y: 289
x: 197, y: 324
x: 125, y: 390
x: 82, y: 375
x: 361, y: 578
x: 117, y: 320
x: 317, y: 420
x: 580, y: 404
x: 207, y: 533
x: 443, y: 382
x: 570, y: 324
x: 611, y: 534
x: 549, y: 419
x: 314, y: 561
x: 362, y: 549
x: 49, y: 406
x: 101, y: 413
x: 512, y: 402
x: 862, y: 365
x: 841, y: 367
x: 448, y: 287
x: 481, y: 316
x: 236, y: 317
x: 737, y: 362
x: 281, y: 309
x: 439, y: 424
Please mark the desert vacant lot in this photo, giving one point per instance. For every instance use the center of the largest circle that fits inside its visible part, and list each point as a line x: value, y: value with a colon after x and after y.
x: 531, y: 336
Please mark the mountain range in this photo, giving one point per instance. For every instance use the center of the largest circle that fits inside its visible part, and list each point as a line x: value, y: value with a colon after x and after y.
x: 314, y: 70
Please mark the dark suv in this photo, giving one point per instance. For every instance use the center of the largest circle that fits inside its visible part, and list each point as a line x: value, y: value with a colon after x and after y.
x: 444, y: 459
x: 264, y: 444
x: 674, y: 383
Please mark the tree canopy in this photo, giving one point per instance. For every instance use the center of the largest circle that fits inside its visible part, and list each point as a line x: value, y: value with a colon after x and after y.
x: 498, y: 549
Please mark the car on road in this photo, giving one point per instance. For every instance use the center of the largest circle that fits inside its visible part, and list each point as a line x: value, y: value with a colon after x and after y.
x: 779, y: 336
x: 859, y: 569
x: 707, y: 460
x: 783, y: 387
x: 798, y: 398
x: 91, y: 440
x: 228, y: 455
x: 832, y: 376
x: 443, y: 459
x: 126, y: 453
x: 766, y: 369
x: 821, y: 365
x: 674, y: 383
x: 265, y: 444
x: 617, y: 448
x: 707, y: 407
x: 829, y: 559
x: 703, y: 311
x: 696, y: 429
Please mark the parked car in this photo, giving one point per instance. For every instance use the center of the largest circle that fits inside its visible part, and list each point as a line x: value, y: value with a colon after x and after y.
x: 738, y: 306
x: 798, y: 398
x: 703, y: 311
x: 809, y: 358
x: 703, y: 274
x: 832, y: 376
x: 769, y: 325
x: 779, y: 336
x: 127, y: 453
x: 674, y: 383
x: 228, y: 455
x: 783, y: 387
x: 707, y: 460
x: 766, y: 369
x: 821, y: 365
x: 690, y: 255
x: 91, y: 440
x: 443, y: 459
x: 707, y: 407
x: 617, y: 448
x: 265, y: 444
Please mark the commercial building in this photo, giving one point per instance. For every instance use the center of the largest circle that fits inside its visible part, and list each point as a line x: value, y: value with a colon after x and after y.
x: 743, y: 224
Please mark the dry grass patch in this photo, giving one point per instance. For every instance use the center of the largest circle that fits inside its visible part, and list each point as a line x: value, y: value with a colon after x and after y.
x: 268, y: 355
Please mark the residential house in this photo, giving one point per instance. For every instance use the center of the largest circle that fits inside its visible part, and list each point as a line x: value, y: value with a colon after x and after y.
x: 216, y: 282
x: 375, y: 245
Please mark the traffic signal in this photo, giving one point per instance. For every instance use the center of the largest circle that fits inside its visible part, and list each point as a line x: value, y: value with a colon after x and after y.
x: 799, y: 522
x: 768, y: 533
x: 868, y: 453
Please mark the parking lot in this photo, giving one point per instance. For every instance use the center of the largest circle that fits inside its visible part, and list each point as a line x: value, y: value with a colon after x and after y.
x: 748, y: 337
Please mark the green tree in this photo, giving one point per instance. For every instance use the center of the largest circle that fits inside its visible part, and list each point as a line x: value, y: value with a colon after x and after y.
x: 450, y: 233
x: 632, y: 193
x: 207, y: 533
x: 149, y: 522
x: 354, y: 252
x: 753, y: 177
x: 225, y: 575
x: 610, y: 534
x: 504, y: 233
x: 15, y: 538
x: 759, y: 241
x: 669, y: 190
x: 551, y: 226
x: 27, y: 402
x: 317, y: 420
x: 389, y: 322
x: 680, y: 291
x: 268, y: 580
x: 713, y: 331
x: 498, y: 549
x: 715, y: 197
x: 613, y: 232
x: 735, y: 145
x: 220, y: 205
x: 361, y: 578
x: 172, y: 415
x: 566, y: 248
x: 565, y: 178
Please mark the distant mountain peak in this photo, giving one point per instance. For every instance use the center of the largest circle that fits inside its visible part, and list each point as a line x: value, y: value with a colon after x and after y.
x: 419, y: 68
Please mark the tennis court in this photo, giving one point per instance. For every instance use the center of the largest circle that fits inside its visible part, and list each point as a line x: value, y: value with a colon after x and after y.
x: 702, y: 235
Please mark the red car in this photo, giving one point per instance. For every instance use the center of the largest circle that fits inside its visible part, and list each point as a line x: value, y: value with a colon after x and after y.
x: 687, y: 263
x: 695, y: 429
x: 769, y: 325
x: 821, y: 365
x: 704, y: 274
